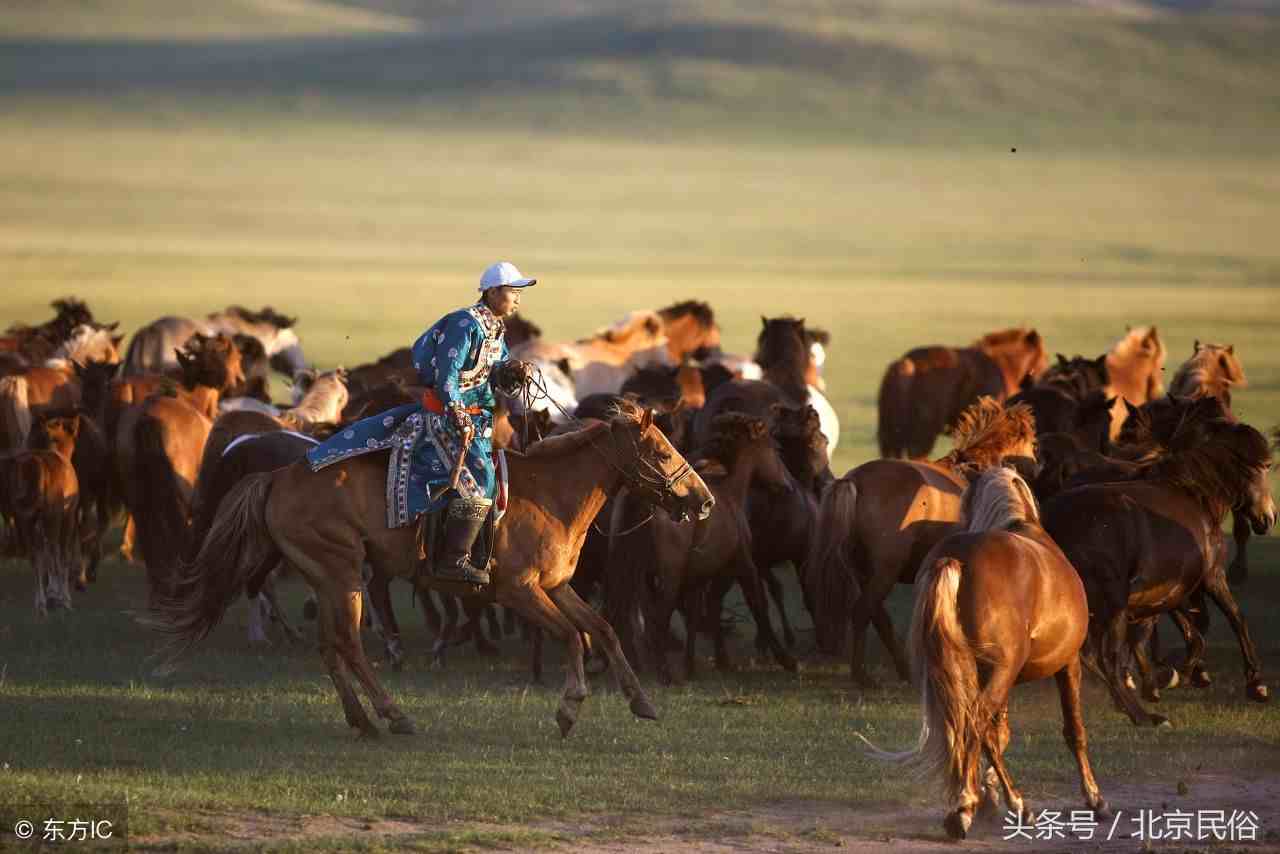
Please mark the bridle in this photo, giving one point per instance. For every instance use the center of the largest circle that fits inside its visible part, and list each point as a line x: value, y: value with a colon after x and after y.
x: 644, y: 476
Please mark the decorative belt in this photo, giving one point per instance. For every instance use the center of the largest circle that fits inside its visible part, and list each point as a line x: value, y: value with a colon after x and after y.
x: 432, y: 403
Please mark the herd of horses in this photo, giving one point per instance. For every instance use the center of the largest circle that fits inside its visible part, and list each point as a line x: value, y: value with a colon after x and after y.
x: 649, y: 472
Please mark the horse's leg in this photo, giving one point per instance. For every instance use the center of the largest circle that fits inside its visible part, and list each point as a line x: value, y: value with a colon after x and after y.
x: 476, y: 613
x: 269, y: 591
x: 536, y: 636
x: 884, y: 628
x: 329, y: 611
x: 1216, y: 588
x: 535, y: 605
x: 777, y: 594
x: 126, y: 542
x: 1113, y: 657
x: 997, y: 743
x: 430, y: 614
x: 257, y: 620
x: 1193, y: 668
x: 991, y: 716
x: 347, y: 636
x: 589, y: 620
x: 1140, y: 637
x: 1241, y: 531
x: 657, y: 629
x: 508, y: 622
x: 1068, y: 679
x: 495, y: 626
x: 753, y: 591
x: 872, y: 599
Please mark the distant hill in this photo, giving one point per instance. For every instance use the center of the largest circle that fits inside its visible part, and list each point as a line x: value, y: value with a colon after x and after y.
x: 1109, y: 74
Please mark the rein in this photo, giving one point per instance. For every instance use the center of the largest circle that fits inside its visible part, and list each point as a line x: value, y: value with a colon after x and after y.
x: 535, y: 390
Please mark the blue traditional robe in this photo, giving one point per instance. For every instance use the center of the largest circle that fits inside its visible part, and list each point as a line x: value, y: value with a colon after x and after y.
x: 454, y: 358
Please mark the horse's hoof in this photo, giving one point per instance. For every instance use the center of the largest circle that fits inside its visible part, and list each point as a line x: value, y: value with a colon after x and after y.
x: 564, y: 722
x: 369, y: 731
x: 402, y: 726
x: 1257, y: 691
x: 1102, y: 810
x: 1168, y: 679
x: 643, y: 709
x: 789, y: 664
x: 1161, y: 722
x: 1151, y: 695
x: 957, y: 824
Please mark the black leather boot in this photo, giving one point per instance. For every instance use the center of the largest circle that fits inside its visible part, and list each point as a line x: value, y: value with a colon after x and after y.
x: 463, y: 522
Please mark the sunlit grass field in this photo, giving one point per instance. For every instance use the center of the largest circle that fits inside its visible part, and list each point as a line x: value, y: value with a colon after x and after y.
x: 956, y: 186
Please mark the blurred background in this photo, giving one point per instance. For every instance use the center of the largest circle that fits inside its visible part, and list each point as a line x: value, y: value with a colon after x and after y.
x: 901, y: 173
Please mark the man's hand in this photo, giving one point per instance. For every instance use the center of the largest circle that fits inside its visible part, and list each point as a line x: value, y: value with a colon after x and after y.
x: 461, y: 420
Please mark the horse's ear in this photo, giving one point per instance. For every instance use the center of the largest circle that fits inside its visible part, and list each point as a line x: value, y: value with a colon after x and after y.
x: 1231, y: 349
x: 646, y: 420
x: 764, y: 321
x: 1028, y: 381
x: 1033, y: 338
x: 74, y: 425
x: 183, y: 355
x: 116, y: 341
x: 1131, y: 409
x: 1195, y: 348
x: 1062, y: 360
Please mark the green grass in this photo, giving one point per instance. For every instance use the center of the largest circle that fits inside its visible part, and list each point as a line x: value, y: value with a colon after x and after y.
x: 849, y: 164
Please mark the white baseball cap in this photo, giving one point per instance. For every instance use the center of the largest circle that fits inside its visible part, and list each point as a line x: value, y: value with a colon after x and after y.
x: 504, y: 274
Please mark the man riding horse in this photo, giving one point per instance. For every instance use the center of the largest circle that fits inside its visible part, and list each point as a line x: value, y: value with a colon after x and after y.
x: 442, y: 447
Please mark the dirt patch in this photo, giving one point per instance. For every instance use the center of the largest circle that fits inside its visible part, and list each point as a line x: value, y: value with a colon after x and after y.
x: 800, y: 826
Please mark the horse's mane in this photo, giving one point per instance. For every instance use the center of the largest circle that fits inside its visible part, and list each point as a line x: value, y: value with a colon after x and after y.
x: 701, y: 312
x: 1139, y: 341
x: 1212, y: 369
x: 267, y: 315
x: 565, y: 443
x: 730, y: 433
x: 83, y: 342
x: 996, y: 500
x: 986, y: 432
x: 1215, y: 460
x: 1002, y: 339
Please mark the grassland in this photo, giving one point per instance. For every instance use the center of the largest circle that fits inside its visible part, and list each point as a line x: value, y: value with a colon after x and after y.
x: 357, y: 164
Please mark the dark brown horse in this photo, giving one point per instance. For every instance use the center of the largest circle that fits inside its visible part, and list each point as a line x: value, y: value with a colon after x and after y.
x: 679, y: 562
x: 999, y: 604
x: 876, y: 524
x: 37, y: 343
x: 327, y: 523
x: 924, y: 392
x: 1144, y: 545
x: 39, y: 497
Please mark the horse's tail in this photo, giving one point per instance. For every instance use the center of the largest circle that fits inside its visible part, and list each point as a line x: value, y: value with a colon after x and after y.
x: 160, y: 512
x: 947, y: 671
x: 238, y: 548
x: 832, y: 582
x: 630, y: 565
x: 894, y: 408
x: 15, y: 413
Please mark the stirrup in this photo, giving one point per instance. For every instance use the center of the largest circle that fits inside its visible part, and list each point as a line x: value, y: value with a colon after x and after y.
x: 463, y: 572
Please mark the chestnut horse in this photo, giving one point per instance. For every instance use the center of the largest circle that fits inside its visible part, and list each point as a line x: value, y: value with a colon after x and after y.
x: 1134, y: 367
x: 876, y: 523
x: 1144, y: 545
x: 327, y: 523
x: 999, y: 605
x: 925, y: 391
x: 39, y: 495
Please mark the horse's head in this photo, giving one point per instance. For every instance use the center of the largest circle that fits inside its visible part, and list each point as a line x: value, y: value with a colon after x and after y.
x: 1250, y: 461
x: 56, y: 431
x: 798, y: 432
x: 688, y: 326
x: 211, y: 361
x: 1221, y: 362
x: 653, y: 467
x: 744, y: 442
x: 987, y: 433
x: 782, y: 340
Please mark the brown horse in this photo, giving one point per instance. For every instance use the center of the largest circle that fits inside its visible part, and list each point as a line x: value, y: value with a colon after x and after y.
x: 925, y: 391
x: 999, y: 605
x: 159, y: 443
x: 682, y: 561
x: 39, y: 495
x: 1144, y: 545
x: 151, y: 348
x: 37, y: 343
x: 327, y: 523
x: 876, y: 523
